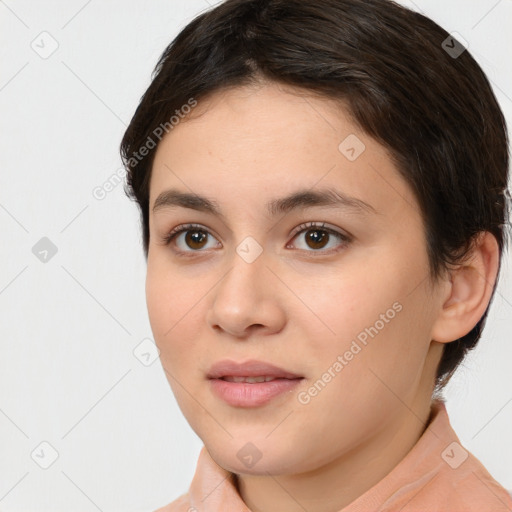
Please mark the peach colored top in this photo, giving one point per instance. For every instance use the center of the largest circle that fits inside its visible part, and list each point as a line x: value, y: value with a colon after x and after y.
x: 438, y: 474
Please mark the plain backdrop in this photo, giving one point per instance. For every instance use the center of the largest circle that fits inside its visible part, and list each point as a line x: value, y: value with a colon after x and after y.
x: 86, y: 422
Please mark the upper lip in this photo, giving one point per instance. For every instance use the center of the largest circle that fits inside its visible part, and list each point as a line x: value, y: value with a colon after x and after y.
x: 251, y: 368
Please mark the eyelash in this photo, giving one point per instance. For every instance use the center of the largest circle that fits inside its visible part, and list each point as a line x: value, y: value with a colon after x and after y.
x: 168, y: 238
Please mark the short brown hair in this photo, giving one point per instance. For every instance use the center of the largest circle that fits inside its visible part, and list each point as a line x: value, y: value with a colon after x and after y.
x: 432, y: 107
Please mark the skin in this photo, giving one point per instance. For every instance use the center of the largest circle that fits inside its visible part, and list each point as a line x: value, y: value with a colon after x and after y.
x: 297, y: 306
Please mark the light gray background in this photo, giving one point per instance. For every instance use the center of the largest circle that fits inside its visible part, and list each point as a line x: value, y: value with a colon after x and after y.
x: 69, y: 327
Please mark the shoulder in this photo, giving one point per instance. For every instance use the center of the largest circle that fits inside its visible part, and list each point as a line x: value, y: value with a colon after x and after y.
x: 479, y: 490
x: 440, y: 474
x: 180, y: 504
x: 468, y: 488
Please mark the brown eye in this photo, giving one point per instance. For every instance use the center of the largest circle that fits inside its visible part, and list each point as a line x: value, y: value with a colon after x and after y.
x: 316, y: 237
x: 195, y: 239
x: 188, y: 238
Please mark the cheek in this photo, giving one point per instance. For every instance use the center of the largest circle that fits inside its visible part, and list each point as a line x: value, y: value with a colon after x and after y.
x: 160, y: 302
x: 168, y: 294
x: 173, y: 305
x: 339, y: 304
x: 177, y: 307
x: 371, y: 319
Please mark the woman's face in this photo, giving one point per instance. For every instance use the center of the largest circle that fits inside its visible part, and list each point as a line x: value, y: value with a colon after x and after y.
x: 345, y: 303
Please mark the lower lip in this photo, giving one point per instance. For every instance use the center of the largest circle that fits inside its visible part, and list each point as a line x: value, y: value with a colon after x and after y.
x: 243, y: 394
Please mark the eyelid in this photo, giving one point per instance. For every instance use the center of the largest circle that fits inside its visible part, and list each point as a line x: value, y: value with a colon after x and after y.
x: 319, y: 225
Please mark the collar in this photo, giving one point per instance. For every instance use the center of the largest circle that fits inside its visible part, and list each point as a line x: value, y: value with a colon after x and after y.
x: 436, y: 474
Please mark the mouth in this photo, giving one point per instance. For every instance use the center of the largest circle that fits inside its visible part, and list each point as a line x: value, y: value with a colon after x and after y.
x: 251, y: 383
x: 252, y: 371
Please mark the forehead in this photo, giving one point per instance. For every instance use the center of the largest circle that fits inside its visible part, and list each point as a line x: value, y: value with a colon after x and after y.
x: 255, y: 143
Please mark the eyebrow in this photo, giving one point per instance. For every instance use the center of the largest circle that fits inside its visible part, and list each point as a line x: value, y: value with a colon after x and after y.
x: 304, y: 198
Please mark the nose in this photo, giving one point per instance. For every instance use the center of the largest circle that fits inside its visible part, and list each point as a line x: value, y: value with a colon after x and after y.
x: 244, y: 301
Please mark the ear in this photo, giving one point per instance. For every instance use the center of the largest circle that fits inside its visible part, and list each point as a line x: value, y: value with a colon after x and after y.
x: 468, y: 289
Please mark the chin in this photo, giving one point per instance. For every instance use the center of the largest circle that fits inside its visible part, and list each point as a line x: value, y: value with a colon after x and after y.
x: 249, y: 459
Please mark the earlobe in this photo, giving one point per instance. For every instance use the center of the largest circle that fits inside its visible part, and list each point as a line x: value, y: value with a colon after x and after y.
x: 469, y: 291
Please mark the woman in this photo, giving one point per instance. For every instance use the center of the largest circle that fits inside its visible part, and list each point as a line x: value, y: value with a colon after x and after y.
x: 322, y: 193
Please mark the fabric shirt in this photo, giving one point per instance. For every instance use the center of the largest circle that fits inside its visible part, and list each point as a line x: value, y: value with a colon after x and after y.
x: 437, y: 474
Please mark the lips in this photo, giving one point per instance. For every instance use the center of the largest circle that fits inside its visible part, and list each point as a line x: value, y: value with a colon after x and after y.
x: 251, y: 383
x: 252, y: 371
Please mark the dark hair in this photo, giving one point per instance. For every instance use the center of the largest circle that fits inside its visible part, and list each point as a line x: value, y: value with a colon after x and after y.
x: 404, y: 80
